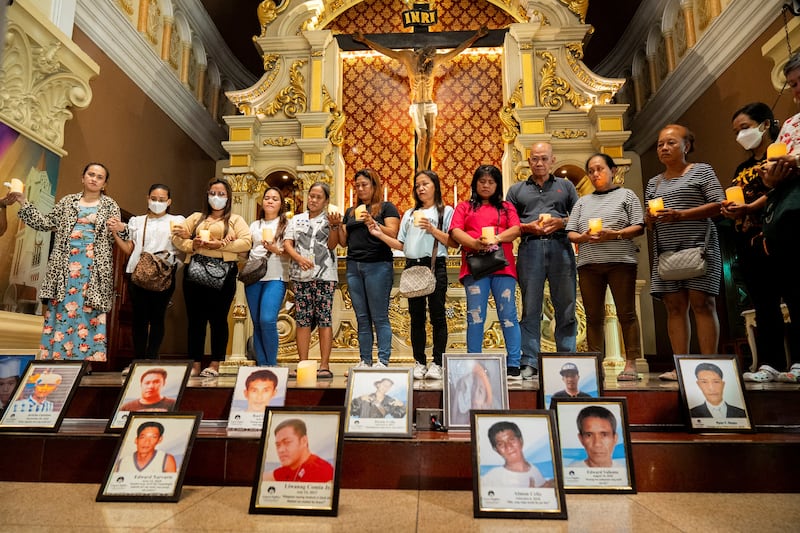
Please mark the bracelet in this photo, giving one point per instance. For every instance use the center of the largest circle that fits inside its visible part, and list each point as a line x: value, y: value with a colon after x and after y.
x: 619, y: 236
x: 335, y: 226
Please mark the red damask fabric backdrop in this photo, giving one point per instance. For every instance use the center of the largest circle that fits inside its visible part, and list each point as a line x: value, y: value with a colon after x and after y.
x: 379, y: 133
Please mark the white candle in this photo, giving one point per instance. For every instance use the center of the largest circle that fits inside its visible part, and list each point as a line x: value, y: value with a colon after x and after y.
x: 385, y: 193
x: 487, y: 232
x: 204, y: 234
x: 595, y: 225
x: 307, y: 373
x: 455, y: 195
x: 351, y: 197
x: 17, y: 185
x: 267, y: 234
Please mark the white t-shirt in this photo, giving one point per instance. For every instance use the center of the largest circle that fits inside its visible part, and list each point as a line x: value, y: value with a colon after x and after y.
x: 502, y: 477
x: 277, y: 265
x: 157, y: 237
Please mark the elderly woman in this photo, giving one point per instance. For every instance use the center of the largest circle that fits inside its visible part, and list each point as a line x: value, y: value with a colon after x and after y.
x: 607, y: 257
x: 691, y: 195
x: 79, y: 283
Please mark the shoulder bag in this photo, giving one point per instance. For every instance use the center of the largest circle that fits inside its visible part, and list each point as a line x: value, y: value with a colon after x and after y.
x: 153, y: 272
x: 482, y: 264
x: 420, y: 280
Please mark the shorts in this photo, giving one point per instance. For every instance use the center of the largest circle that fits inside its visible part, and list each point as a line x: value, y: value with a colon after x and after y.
x: 313, y: 303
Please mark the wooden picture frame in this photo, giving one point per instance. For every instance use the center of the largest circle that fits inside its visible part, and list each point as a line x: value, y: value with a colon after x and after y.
x: 706, y: 380
x: 11, y: 368
x: 555, y: 370
x: 141, y: 388
x: 595, y: 442
x: 369, y: 415
x: 165, y: 440
x: 526, y: 439
x: 256, y: 388
x: 472, y: 381
x: 42, y: 395
x: 299, y: 461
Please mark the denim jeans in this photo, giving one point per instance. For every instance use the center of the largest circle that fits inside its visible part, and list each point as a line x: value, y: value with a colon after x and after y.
x: 503, y: 289
x: 370, y: 285
x: 552, y: 260
x: 265, y: 298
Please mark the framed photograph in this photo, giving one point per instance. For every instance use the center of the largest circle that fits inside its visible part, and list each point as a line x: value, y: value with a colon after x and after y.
x: 379, y: 402
x: 42, y: 395
x: 594, y: 437
x: 569, y: 375
x: 516, y: 465
x: 300, y: 458
x: 151, y: 458
x: 712, y: 393
x: 152, y: 386
x: 11, y: 368
x: 256, y: 389
x: 473, y: 381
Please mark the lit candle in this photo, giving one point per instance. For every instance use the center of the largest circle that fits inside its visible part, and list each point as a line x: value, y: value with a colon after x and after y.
x: 17, y: 185
x: 735, y: 194
x: 595, y: 225
x: 361, y: 211
x: 455, y: 195
x: 417, y: 215
x: 544, y: 217
x: 776, y: 150
x: 351, y: 197
x: 333, y: 209
x: 267, y: 234
x: 307, y: 373
x: 385, y: 193
x: 655, y: 205
x: 204, y: 234
x: 487, y: 232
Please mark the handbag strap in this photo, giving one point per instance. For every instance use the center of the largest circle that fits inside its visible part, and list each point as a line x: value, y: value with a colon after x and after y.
x: 436, y: 241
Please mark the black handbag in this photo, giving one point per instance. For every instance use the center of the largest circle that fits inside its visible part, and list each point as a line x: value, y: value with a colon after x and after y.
x: 481, y: 264
x: 253, y: 270
x: 208, y: 271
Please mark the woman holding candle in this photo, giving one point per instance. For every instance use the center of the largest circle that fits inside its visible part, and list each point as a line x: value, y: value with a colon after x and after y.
x: 421, y: 228
x: 692, y: 195
x: 486, y: 209
x: 79, y: 283
x: 151, y: 232
x: 369, y: 264
x: 607, y: 257
x: 755, y: 128
x: 311, y: 243
x: 217, y: 233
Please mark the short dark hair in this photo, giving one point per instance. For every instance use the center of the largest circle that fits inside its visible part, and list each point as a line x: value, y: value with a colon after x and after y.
x: 505, y: 425
x: 607, y: 158
x: 688, y: 136
x: 760, y: 112
x: 93, y: 164
x: 150, y: 424
x: 711, y: 367
x: 261, y: 375
x: 295, y: 423
x: 596, y: 411
x: 496, y: 199
x: 160, y: 371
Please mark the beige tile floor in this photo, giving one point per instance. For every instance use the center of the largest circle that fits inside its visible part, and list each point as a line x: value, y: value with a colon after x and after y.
x: 61, y: 507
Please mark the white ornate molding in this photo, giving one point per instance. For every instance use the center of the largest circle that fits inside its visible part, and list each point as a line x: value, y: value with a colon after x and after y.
x: 43, y: 74
x: 104, y: 24
x: 726, y: 38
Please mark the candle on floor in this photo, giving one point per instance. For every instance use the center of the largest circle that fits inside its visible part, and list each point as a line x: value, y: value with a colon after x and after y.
x: 307, y: 373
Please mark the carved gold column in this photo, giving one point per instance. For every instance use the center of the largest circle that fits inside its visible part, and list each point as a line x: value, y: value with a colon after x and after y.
x: 201, y: 82
x: 714, y: 9
x: 166, y: 37
x: 637, y: 93
x: 214, y: 108
x: 186, y: 56
x: 652, y: 70
x: 688, y: 18
x: 669, y: 44
x: 141, y: 23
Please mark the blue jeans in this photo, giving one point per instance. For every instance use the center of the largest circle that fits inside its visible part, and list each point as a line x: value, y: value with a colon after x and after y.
x: 265, y: 298
x: 503, y: 289
x: 370, y: 285
x: 552, y: 260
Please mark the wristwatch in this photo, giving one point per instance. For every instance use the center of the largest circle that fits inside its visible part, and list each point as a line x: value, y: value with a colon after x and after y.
x: 619, y: 236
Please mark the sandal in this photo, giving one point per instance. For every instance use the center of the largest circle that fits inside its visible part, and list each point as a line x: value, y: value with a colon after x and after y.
x: 628, y: 375
x: 324, y: 373
x: 672, y: 375
x: 209, y: 373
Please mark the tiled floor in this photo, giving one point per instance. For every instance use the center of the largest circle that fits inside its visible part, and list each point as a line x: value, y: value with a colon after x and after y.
x: 37, y: 507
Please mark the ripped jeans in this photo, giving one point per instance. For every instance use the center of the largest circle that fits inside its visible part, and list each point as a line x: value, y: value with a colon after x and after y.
x: 502, y: 288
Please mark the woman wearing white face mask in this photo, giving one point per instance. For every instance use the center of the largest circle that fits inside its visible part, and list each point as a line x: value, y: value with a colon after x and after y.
x: 220, y: 236
x: 151, y: 232
x: 755, y: 128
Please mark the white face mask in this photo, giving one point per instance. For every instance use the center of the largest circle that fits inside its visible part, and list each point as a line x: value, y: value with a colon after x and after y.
x: 217, y: 202
x: 156, y: 207
x: 750, y: 138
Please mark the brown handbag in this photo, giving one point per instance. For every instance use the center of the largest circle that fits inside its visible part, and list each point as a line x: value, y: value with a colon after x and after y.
x: 153, y: 272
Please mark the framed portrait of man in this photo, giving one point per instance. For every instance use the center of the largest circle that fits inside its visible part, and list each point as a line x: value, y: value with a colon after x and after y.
x: 300, y: 458
x: 151, y: 457
x: 569, y: 375
x: 42, y: 395
x: 472, y: 381
x: 595, y: 445
x: 516, y: 465
x: 379, y: 402
x: 712, y: 393
x: 256, y: 388
x: 11, y: 368
x: 152, y: 386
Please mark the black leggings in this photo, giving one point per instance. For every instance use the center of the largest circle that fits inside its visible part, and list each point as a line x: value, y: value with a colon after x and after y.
x: 207, y: 306
x: 149, y: 308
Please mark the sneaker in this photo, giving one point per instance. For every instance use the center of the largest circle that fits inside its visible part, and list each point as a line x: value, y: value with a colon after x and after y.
x: 361, y: 364
x: 513, y: 374
x: 209, y: 373
x: 792, y: 376
x: 672, y: 375
x: 379, y: 364
x: 529, y: 372
x: 419, y: 371
x: 434, y: 372
x: 764, y: 374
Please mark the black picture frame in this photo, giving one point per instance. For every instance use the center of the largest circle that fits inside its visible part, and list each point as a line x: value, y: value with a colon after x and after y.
x: 247, y: 408
x: 499, y: 492
x: 310, y: 489
x: 12, y: 365
x: 125, y: 481
x: 699, y: 383
x: 597, y: 416
x: 472, y: 381
x: 389, y: 418
x: 40, y: 399
x: 177, y: 375
x: 553, y: 382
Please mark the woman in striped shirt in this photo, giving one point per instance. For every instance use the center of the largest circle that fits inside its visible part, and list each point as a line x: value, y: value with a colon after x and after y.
x: 603, y: 225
